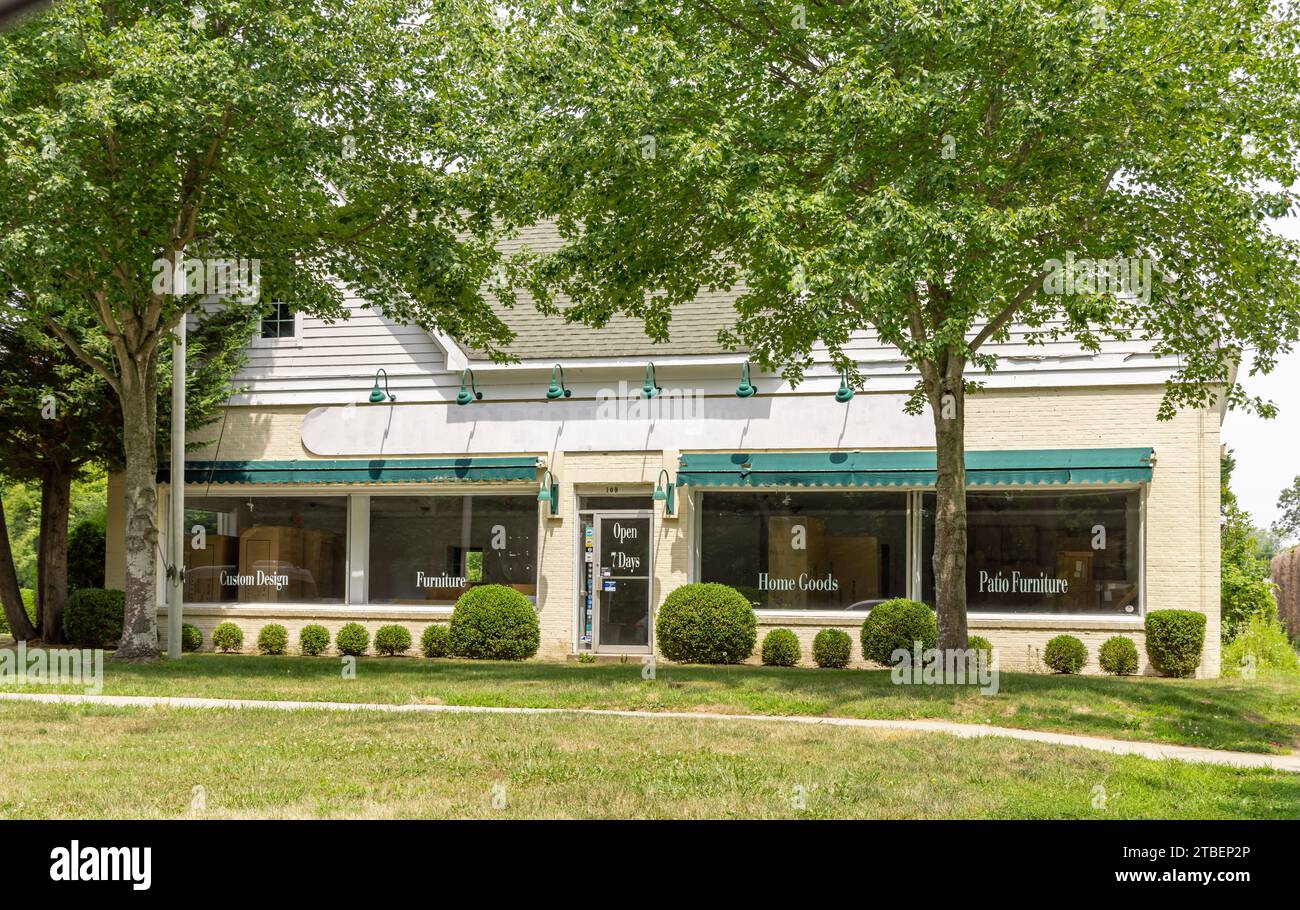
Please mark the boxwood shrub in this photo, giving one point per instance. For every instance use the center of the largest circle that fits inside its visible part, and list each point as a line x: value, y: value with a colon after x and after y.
x: 391, y: 640
x: 1118, y: 656
x: 895, y: 624
x: 313, y: 640
x: 273, y: 639
x: 191, y: 638
x: 1065, y: 654
x: 436, y: 641
x: 832, y: 649
x: 228, y: 637
x: 1174, y: 640
x: 980, y: 643
x: 494, y: 622
x: 93, y: 617
x: 706, y: 624
x: 352, y: 640
x: 781, y: 648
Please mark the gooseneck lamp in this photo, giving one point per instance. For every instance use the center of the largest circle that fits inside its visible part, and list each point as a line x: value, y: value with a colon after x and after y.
x: 558, y: 389
x: 845, y: 393
x: 468, y: 394
x: 549, y: 492
x: 746, y: 389
x: 666, y: 492
x: 376, y: 394
x: 651, y: 387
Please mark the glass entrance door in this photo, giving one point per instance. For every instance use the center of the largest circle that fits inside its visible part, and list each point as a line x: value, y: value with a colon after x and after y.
x: 622, y: 582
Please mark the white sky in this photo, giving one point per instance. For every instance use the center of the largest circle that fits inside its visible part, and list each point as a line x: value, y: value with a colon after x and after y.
x: 1268, y: 451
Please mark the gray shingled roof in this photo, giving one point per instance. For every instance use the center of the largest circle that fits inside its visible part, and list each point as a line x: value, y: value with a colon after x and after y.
x: 693, y: 329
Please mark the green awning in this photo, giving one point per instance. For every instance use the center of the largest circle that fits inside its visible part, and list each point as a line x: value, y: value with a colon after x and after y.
x: 1056, y: 467
x: 377, y: 470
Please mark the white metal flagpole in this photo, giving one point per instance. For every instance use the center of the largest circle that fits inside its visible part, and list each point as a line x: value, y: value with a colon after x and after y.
x: 176, y: 582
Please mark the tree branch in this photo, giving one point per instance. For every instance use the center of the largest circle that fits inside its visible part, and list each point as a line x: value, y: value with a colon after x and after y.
x: 90, y: 359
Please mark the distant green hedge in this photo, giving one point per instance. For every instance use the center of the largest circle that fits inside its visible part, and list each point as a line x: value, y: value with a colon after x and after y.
x: 93, y: 618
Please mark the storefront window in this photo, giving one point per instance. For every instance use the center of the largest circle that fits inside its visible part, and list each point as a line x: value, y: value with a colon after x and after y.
x: 266, y: 549
x: 431, y: 549
x: 1032, y: 551
x: 806, y: 551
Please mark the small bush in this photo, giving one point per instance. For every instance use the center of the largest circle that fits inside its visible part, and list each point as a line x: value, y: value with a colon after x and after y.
x: 313, y: 640
x: 436, y: 641
x: 391, y: 640
x: 86, y: 556
x: 1174, y: 640
x: 228, y: 637
x: 1118, y: 656
x: 494, y: 622
x: 29, y: 605
x: 191, y: 638
x: 273, y: 639
x: 706, y: 624
x: 895, y: 624
x: 1261, y: 643
x: 979, y: 643
x: 781, y: 648
x: 352, y: 640
x: 93, y: 618
x: 1065, y: 654
x: 832, y: 649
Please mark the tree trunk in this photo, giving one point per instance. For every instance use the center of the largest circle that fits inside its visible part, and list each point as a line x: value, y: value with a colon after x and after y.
x: 52, y: 550
x: 950, y: 506
x: 10, y: 594
x: 139, y: 397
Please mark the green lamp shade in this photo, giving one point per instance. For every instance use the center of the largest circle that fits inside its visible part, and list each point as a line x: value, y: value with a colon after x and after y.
x: 746, y: 389
x: 377, y: 394
x: 558, y: 389
x: 845, y: 393
x: 544, y: 494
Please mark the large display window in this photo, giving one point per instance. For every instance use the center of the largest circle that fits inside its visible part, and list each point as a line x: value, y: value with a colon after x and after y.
x: 1037, y: 551
x: 266, y: 549
x: 806, y: 550
x: 431, y: 549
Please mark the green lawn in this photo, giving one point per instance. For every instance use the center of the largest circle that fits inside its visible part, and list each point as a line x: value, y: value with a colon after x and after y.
x: 1252, y: 716
x: 84, y: 761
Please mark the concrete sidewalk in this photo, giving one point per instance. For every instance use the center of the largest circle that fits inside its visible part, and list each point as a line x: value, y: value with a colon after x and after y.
x: 1158, y: 751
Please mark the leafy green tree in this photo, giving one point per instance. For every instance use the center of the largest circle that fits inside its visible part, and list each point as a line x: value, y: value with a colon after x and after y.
x: 1246, y: 589
x: 938, y: 172
x: 1288, y: 502
x: 61, y: 417
x: 324, y: 141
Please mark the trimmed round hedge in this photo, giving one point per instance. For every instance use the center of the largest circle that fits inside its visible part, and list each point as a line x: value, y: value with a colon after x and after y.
x: 92, y: 617
x: 706, y: 624
x: 980, y: 643
x: 313, y: 640
x: 352, y: 640
x: 1174, y: 640
x: 832, y: 649
x: 781, y: 648
x: 191, y: 638
x: 273, y: 639
x: 228, y: 637
x: 494, y: 622
x: 897, y: 625
x: 436, y: 641
x: 1118, y: 656
x: 391, y: 640
x: 1065, y: 654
